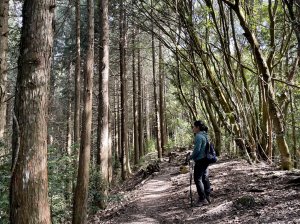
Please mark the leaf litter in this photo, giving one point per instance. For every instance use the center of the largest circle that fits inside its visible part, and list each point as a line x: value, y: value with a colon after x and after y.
x: 242, y: 193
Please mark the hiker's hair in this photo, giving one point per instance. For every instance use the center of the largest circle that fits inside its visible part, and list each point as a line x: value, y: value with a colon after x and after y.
x: 201, y: 125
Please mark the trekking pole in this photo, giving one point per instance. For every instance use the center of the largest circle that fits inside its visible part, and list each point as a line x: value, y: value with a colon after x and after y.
x: 191, y: 180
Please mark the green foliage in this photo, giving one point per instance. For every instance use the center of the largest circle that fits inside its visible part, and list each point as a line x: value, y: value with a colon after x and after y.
x: 61, y: 173
x: 97, y: 187
x: 182, y: 135
x: 115, y: 198
x: 244, y: 202
x: 147, y: 159
x: 150, y: 145
x: 5, y: 163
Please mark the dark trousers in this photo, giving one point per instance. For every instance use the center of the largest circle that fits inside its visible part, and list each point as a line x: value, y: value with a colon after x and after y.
x: 201, y: 179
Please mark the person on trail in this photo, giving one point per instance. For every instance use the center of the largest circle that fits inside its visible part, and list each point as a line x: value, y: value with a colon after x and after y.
x: 201, y: 165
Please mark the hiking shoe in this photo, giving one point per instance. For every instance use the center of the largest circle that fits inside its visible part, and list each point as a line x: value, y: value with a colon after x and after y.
x: 201, y: 203
x: 208, y: 199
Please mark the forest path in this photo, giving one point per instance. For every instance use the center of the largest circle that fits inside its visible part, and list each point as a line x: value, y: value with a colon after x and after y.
x: 242, y: 193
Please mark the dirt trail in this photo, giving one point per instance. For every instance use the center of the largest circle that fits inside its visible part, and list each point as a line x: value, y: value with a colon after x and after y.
x: 241, y: 194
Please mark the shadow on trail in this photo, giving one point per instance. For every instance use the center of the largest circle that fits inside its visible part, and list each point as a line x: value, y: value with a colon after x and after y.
x: 242, y: 194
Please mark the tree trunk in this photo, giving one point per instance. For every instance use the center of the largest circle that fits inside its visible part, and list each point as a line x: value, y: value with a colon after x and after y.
x: 145, y: 92
x: 156, y: 103
x: 103, y: 106
x: 140, y: 103
x: 134, y: 106
x: 4, y: 5
x: 68, y: 142
x: 29, y: 181
x: 77, y: 77
x: 116, y: 123
x: 119, y: 124
x: 124, y: 96
x: 162, y: 100
x: 294, y: 136
x: 81, y: 191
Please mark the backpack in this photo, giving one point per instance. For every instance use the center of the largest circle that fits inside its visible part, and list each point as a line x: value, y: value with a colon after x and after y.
x: 210, y: 152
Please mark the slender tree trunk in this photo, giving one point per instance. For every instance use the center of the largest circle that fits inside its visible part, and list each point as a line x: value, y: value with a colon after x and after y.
x: 9, y: 112
x: 4, y: 4
x: 214, y: 122
x: 68, y: 142
x: 77, y: 77
x: 134, y: 106
x: 81, y: 191
x: 157, y: 112
x: 294, y: 136
x: 145, y: 92
x: 103, y: 106
x: 110, y: 154
x: 124, y: 95
x: 29, y: 181
x: 162, y: 99
x: 117, y: 122
x: 119, y: 125
x: 140, y: 102
x: 77, y: 91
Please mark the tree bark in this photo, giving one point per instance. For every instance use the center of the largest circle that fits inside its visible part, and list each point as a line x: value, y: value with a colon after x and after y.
x: 124, y: 96
x: 294, y: 136
x: 4, y: 5
x: 77, y: 77
x: 140, y: 103
x: 81, y: 191
x: 162, y: 99
x: 103, y: 106
x: 156, y: 103
x: 68, y: 142
x: 134, y: 106
x: 29, y: 181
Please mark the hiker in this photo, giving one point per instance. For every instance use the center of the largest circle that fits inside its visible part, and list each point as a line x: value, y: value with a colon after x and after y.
x: 201, y: 164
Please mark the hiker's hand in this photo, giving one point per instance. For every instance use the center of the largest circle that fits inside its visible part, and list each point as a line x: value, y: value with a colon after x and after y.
x: 192, y: 162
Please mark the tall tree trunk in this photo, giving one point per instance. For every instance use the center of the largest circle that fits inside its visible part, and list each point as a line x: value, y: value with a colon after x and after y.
x: 116, y: 122
x: 77, y: 77
x: 8, y: 123
x: 103, y: 106
x: 110, y: 156
x: 294, y: 136
x: 156, y: 103
x: 4, y: 4
x: 124, y: 95
x: 29, y: 181
x: 119, y: 124
x: 162, y: 99
x: 68, y: 142
x: 140, y: 102
x: 81, y: 191
x: 145, y: 94
x: 134, y: 106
